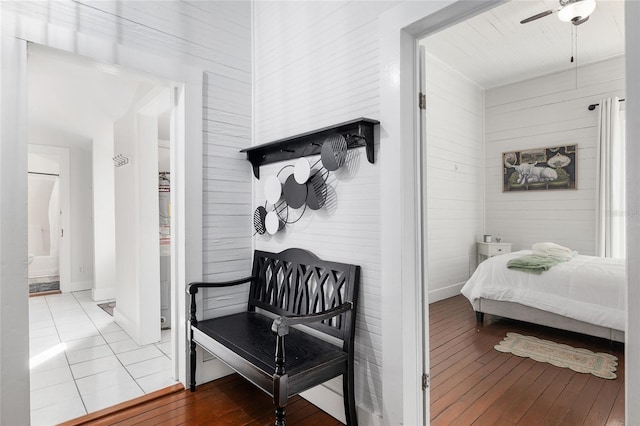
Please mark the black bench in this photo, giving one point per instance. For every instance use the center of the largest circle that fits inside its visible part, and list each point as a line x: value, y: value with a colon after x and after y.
x: 293, y: 287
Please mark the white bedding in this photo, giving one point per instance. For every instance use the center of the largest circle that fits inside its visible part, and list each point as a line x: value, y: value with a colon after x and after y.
x: 586, y: 288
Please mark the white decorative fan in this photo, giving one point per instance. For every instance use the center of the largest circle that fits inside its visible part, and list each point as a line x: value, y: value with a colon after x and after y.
x: 575, y: 11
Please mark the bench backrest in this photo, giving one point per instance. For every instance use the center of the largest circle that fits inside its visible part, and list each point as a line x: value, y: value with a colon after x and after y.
x: 297, y: 282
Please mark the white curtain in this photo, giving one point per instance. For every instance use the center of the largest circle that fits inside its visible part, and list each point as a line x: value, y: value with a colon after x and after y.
x: 610, y: 190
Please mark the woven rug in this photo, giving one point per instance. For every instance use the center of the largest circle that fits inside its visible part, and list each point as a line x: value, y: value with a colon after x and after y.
x: 579, y: 360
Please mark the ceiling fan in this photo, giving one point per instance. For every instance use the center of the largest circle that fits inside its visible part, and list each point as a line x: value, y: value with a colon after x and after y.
x: 575, y: 11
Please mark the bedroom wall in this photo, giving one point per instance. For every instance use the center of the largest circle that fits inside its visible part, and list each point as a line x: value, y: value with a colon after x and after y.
x: 317, y: 64
x: 454, y: 174
x: 548, y: 111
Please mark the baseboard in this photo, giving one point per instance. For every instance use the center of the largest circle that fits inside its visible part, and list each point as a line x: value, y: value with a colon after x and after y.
x: 445, y: 292
x: 77, y: 286
x: 45, y: 293
x: 103, y: 294
x: 210, y: 369
x: 328, y: 401
x: 332, y: 403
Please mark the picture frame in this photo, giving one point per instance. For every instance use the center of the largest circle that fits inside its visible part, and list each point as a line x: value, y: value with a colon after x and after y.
x: 539, y: 169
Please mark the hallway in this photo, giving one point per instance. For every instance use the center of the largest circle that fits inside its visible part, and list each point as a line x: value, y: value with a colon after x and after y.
x: 81, y: 361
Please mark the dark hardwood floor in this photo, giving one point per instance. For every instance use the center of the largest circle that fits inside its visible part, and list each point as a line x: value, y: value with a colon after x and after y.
x: 474, y: 384
x: 471, y: 384
x: 227, y: 401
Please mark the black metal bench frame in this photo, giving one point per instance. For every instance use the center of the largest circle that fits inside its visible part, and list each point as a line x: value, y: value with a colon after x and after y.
x: 290, y: 288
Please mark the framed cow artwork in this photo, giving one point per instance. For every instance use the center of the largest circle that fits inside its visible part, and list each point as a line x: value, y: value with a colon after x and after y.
x: 539, y: 169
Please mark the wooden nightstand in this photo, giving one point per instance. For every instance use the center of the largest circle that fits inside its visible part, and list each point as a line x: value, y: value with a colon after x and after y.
x: 487, y: 250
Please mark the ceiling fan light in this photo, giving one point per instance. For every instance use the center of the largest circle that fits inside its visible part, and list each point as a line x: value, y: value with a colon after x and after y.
x: 579, y: 9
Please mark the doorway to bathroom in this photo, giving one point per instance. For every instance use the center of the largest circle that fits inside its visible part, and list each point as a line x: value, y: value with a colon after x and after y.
x: 48, y: 207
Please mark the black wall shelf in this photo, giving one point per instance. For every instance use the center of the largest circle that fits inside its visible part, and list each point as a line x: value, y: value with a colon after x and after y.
x: 310, y: 143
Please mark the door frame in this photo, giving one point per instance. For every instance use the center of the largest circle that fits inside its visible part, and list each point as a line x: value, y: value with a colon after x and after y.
x: 186, y: 157
x: 404, y: 347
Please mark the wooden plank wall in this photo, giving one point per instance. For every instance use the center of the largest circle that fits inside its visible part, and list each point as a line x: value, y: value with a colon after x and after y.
x: 317, y: 64
x: 548, y: 111
x: 454, y: 177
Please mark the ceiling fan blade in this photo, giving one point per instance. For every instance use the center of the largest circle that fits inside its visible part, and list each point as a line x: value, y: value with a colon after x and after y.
x: 538, y: 16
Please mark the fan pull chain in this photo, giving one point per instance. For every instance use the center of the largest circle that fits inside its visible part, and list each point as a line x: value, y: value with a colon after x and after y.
x: 571, y: 41
x: 576, y: 54
x: 574, y: 51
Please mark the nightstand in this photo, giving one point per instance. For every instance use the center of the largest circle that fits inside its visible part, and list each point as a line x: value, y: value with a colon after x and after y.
x: 487, y: 250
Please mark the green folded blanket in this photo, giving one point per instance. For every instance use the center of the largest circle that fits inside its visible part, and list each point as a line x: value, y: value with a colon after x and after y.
x: 532, y: 263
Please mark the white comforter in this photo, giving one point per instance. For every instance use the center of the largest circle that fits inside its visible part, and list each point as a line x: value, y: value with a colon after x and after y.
x: 586, y: 288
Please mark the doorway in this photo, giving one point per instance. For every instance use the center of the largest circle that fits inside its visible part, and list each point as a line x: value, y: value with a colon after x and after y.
x: 473, y: 116
x: 48, y: 201
x: 100, y: 341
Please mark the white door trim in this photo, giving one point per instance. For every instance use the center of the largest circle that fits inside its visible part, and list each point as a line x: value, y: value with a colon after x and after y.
x: 632, y: 335
x: 14, y: 306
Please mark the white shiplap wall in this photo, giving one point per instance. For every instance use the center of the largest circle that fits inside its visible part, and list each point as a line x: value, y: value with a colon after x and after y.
x: 548, y: 111
x: 454, y: 173
x: 216, y: 37
x: 317, y: 64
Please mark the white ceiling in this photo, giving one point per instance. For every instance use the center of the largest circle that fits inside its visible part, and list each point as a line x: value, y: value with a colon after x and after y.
x: 493, y: 49
x: 72, y: 95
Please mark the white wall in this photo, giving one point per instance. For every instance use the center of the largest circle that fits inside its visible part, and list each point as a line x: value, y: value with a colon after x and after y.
x: 548, y: 111
x: 104, y: 230
x: 81, y: 232
x: 317, y: 64
x: 454, y: 177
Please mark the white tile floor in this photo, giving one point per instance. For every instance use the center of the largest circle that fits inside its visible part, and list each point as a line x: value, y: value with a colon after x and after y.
x: 81, y: 360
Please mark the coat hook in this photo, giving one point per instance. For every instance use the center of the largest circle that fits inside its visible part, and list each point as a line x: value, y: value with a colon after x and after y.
x: 120, y: 160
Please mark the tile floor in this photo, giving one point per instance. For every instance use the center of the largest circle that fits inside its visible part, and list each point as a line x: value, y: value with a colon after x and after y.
x: 81, y: 360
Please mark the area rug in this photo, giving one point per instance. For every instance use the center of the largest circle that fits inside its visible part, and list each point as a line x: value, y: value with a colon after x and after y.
x: 42, y: 287
x: 579, y: 360
x: 107, y: 307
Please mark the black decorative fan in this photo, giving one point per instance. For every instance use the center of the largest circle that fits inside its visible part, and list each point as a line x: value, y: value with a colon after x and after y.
x: 575, y: 11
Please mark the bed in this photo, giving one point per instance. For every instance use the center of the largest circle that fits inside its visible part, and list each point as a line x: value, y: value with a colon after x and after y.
x: 585, y: 294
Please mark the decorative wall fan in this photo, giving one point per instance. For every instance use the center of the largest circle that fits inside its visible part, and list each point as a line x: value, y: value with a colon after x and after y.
x: 575, y: 11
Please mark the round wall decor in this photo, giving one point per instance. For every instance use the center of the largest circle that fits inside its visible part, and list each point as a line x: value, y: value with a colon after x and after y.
x: 334, y: 152
x: 295, y: 194
x: 272, y: 189
x: 273, y: 223
x: 302, y: 170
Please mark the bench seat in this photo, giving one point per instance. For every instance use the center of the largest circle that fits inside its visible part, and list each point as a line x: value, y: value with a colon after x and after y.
x: 249, y: 336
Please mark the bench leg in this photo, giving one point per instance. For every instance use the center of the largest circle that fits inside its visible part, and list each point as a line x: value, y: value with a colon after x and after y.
x: 348, y: 389
x: 280, y: 416
x: 192, y: 364
x: 480, y: 317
